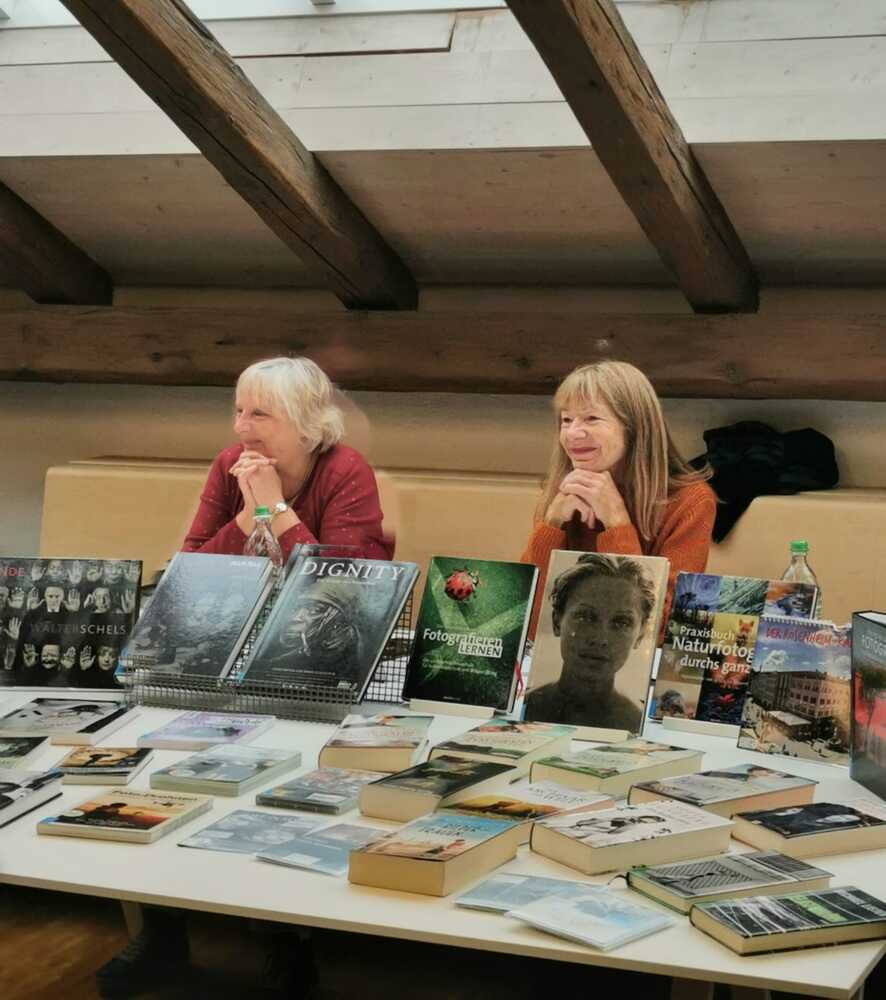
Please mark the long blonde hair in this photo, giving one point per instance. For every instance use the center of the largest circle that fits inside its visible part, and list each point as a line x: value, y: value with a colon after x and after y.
x: 653, y: 467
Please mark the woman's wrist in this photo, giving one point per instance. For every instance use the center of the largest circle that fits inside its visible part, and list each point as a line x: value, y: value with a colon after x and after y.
x: 282, y: 522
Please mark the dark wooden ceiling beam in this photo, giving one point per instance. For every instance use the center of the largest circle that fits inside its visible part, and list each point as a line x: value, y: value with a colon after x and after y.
x: 609, y: 88
x: 730, y: 356
x: 43, y: 262
x: 172, y: 56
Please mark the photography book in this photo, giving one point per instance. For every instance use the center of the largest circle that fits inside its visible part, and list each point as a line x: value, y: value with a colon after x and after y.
x: 15, y: 750
x: 868, y: 754
x: 730, y: 876
x: 434, y: 855
x: 709, y: 641
x: 817, y: 828
x: 508, y: 741
x: 138, y: 817
x: 427, y: 786
x: 613, y: 768
x: 103, y: 765
x: 21, y: 791
x: 383, y: 743
x: 739, y: 788
x: 508, y: 891
x: 596, y: 640
x: 326, y: 850
x: 67, y: 721
x: 248, y: 832
x: 471, y: 631
x: 799, y: 693
x: 330, y: 623
x: 597, y: 916
x: 63, y: 622
x: 228, y: 769
x: 610, y: 839
x: 198, y: 730
x: 199, y: 616
x: 332, y: 790
x: 799, y: 920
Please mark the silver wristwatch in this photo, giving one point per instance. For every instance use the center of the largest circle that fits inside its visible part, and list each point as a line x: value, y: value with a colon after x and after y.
x: 279, y: 508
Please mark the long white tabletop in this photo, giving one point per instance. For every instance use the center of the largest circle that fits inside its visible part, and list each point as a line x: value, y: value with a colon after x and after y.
x: 166, y: 874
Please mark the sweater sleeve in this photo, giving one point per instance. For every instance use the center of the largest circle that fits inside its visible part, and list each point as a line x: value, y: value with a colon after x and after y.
x: 214, y: 528
x: 542, y: 541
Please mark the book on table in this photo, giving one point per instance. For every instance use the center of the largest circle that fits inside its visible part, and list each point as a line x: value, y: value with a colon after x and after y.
x: 330, y: 623
x: 434, y: 855
x: 762, y: 924
x: 506, y: 891
x: 729, y: 876
x: 739, y: 788
x: 228, y: 769
x: 103, y: 765
x: 596, y: 640
x: 382, y: 743
x: 326, y: 850
x: 331, y: 790
x: 470, y: 632
x: 867, y: 763
x: 508, y: 741
x: 613, y: 768
x: 21, y: 791
x: 15, y: 750
x: 137, y: 817
x: 245, y: 831
x: 709, y: 641
x: 67, y: 721
x: 817, y: 828
x: 798, y: 697
x: 199, y: 616
x: 198, y: 730
x: 609, y: 839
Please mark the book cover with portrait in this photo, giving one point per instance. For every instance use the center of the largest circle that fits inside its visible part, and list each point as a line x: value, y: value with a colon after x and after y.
x: 868, y: 753
x: 596, y: 640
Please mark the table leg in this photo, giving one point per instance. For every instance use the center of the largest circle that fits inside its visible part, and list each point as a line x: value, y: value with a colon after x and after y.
x: 691, y: 989
x: 134, y: 917
x: 749, y: 993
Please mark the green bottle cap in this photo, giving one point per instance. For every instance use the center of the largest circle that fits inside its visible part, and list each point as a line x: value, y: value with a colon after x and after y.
x: 266, y: 512
x: 799, y: 547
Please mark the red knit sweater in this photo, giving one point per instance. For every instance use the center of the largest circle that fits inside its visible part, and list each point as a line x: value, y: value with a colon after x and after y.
x: 338, y: 505
x: 684, y: 538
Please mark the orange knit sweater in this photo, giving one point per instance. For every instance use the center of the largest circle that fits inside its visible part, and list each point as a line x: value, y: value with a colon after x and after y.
x: 684, y: 538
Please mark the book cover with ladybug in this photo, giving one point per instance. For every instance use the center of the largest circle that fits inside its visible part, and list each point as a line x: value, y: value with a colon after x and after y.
x: 471, y: 631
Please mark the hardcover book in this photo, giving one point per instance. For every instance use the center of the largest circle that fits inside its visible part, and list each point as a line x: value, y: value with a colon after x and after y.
x: 596, y: 916
x: 198, y: 730
x: 799, y: 920
x: 709, y: 641
x: 16, y: 749
x: 330, y: 622
x: 102, y: 765
x: 434, y: 855
x: 739, y: 788
x: 228, y: 769
x: 327, y: 850
x: 429, y: 785
x: 508, y: 741
x: 508, y: 891
x: 868, y: 742
x: 200, y: 615
x: 327, y: 790
x: 798, y: 697
x: 377, y: 742
x: 596, y: 639
x: 817, y: 828
x: 71, y: 721
x: 729, y: 876
x: 471, y: 631
x: 248, y: 832
x: 615, y: 767
x: 138, y: 817
x: 626, y: 836
x: 63, y: 622
x: 21, y: 791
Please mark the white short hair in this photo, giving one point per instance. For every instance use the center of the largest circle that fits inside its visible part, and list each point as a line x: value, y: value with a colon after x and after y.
x: 300, y: 390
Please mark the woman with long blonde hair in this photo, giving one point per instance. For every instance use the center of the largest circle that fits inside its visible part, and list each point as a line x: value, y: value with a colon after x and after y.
x: 617, y: 482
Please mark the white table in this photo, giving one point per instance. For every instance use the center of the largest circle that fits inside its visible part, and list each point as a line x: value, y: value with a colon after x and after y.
x: 166, y: 874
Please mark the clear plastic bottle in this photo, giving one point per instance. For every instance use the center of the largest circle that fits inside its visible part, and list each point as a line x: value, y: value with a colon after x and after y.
x: 262, y: 542
x: 799, y: 571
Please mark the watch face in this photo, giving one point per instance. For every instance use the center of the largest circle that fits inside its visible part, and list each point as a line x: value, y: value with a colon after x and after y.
x: 280, y: 507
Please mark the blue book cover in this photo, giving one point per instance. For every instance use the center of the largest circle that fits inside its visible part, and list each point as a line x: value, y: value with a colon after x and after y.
x: 327, y: 850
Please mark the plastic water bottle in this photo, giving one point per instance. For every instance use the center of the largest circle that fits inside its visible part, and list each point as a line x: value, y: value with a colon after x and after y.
x: 262, y: 541
x: 799, y: 571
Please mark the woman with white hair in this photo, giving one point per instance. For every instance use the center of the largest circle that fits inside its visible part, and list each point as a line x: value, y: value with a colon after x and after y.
x: 291, y: 461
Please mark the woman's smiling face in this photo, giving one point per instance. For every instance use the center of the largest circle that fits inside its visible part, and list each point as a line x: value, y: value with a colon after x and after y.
x: 592, y: 436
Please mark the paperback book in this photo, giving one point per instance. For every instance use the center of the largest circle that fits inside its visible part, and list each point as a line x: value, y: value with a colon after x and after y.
x: 199, y: 616
x: 70, y: 721
x: 14, y: 750
x: 868, y: 742
x: 327, y: 850
x: 508, y: 891
x: 817, y: 828
x: 21, y: 791
x: 228, y: 769
x: 377, y: 742
x: 798, y: 697
x: 596, y: 640
x: 331, y: 790
x: 63, y: 622
x: 248, y: 832
x: 729, y: 876
x: 138, y: 817
x: 103, y: 765
x: 799, y: 920
x: 471, y: 631
x: 198, y: 730
x: 710, y: 638
x: 508, y: 741
x: 330, y: 623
